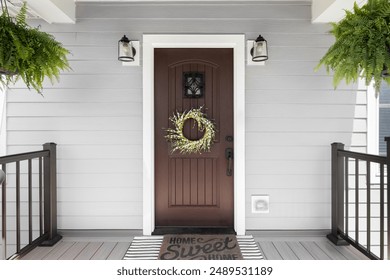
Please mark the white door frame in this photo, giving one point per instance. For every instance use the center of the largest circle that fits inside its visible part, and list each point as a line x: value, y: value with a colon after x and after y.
x: 237, y: 43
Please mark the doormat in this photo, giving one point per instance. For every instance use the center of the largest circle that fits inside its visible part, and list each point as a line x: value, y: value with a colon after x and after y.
x: 150, y: 247
x: 199, y: 247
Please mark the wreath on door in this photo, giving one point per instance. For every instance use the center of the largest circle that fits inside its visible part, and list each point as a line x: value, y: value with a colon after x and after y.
x: 187, y: 146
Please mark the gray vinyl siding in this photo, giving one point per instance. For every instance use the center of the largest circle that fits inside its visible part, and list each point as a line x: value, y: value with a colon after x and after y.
x: 94, y: 114
x: 384, y: 117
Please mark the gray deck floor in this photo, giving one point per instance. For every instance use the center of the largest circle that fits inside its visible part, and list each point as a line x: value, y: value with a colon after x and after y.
x: 114, y: 248
x: 70, y: 250
x: 308, y: 250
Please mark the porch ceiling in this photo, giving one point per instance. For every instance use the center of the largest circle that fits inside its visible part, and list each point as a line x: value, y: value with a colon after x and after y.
x: 63, y: 11
x: 323, y: 11
x: 52, y: 11
x: 192, y: 1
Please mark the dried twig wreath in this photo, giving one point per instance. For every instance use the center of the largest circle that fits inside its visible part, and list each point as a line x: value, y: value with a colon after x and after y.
x: 184, y: 145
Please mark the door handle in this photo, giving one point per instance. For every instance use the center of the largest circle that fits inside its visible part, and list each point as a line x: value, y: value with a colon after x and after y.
x: 229, y: 157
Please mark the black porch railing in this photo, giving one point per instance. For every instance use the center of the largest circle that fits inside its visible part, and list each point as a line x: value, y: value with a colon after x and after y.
x: 360, y: 201
x: 39, y: 223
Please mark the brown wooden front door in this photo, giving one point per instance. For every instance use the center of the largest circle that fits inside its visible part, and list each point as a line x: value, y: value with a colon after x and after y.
x: 193, y: 190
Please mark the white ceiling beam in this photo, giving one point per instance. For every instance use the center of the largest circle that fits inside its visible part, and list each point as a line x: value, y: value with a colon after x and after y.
x: 54, y: 11
x: 332, y: 10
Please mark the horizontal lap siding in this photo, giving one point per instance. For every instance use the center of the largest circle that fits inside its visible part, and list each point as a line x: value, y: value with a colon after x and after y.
x: 94, y: 113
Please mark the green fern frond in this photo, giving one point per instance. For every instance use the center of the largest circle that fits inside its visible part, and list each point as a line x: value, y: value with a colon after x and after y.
x: 33, y: 54
x: 22, y: 15
x: 362, y: 46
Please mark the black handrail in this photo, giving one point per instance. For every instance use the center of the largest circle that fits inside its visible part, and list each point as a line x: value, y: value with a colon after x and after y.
x: 47, y: 199
x: 341, y: 199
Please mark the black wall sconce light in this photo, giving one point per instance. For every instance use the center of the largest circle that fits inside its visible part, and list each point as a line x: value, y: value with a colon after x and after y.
x: 258, y: 50
x: 126, y: 51
x: 385, y: 72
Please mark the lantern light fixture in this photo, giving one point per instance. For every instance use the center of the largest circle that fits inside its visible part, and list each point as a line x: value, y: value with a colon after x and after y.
x: 259, y: 51
x: 126, y: 51
x: 385, y: 72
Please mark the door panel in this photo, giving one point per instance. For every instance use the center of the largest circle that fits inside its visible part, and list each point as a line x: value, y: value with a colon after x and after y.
x: 193, y: 190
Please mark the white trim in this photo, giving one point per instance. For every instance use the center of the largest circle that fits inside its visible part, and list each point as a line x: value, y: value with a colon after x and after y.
x: 237, y: 42
x: 373, y: 129
x: 324, y: 11
x: 54, y: 11
x: 3, y: 121
x: 372, y: 120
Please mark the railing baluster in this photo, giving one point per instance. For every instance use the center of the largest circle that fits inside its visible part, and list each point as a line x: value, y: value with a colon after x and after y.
x: 29, y: 201
x: 357, y: 200
x: 17, y: 206
x: 340, y: 182
x: 47, y: 200
x: 40, y: 202
x: 346, y: 195
x: 4, y: 213
x: 368, y: 189
x: 388, y: 213
x: 382, y: 211
x: 387, y: 139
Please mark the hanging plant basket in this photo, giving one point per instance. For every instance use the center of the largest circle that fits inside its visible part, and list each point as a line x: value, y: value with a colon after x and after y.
x: 385, y: 72
x: 27, y: 53
x: 361, y: 49
x: 7, y: 72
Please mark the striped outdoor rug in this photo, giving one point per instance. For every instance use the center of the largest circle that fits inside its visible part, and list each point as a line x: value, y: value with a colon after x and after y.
x: 148, y: 248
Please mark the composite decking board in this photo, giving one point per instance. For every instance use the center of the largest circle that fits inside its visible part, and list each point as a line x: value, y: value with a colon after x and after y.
x: 357, y: 253
x: 104, y: 251
x: 300, y: 251
x: 285, y: 251
x: 89, y: 251
x: 74, y: 251
x: 316, y: 251
x: 269, y: 250
x: 272, y: 250
x: 108, y: 222
x: 330, y: 250
x: 348, y: 254
x: 39, y: 252
x: 58, y: 251
x: 119, y: 251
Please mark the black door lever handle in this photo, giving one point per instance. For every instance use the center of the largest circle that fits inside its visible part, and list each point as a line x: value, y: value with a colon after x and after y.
x: 229, y: 157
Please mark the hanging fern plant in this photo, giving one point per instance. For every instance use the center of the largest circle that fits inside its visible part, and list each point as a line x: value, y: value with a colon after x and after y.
x: 27, y: 52
x: 362, y: 46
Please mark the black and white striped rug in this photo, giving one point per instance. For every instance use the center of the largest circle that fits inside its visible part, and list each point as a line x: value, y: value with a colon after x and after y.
x: 148, y: 248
